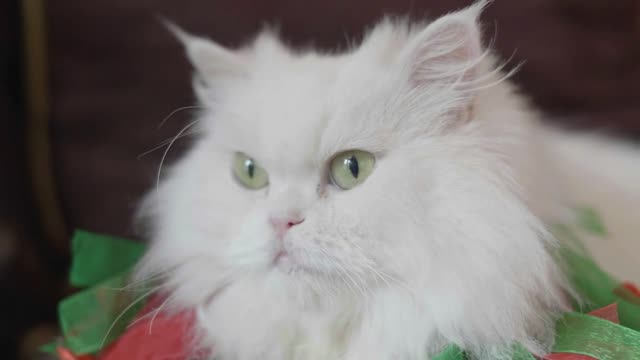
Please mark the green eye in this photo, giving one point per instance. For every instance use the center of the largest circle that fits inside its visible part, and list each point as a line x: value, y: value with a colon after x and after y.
x: 351, y: 168
x: 248, y: 173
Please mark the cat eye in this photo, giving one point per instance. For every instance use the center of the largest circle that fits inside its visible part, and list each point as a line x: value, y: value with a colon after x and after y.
x: 248, y: 173
x: 351, y: 168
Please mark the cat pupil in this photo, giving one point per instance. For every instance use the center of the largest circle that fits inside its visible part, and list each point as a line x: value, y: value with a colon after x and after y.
x: 251, y: 168
x: 352, y: 163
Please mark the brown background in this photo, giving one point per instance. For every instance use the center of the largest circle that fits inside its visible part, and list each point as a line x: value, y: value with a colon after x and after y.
x: 115, y: 73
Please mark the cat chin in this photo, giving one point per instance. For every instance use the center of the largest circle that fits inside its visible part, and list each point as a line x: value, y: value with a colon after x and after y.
x: 267, y: 317
x: 286, y: 265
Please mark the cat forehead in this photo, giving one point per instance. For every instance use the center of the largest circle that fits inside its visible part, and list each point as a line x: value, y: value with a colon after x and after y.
x: 298, y: 110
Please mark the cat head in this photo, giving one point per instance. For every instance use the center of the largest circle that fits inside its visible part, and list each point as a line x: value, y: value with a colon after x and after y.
x: 333, y: 176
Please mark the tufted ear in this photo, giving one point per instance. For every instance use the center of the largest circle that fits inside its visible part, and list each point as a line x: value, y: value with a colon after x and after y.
x: 210, y: 60
x: 448, y: 50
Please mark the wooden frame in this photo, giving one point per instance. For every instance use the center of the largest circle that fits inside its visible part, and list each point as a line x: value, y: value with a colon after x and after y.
x: 39, y: 155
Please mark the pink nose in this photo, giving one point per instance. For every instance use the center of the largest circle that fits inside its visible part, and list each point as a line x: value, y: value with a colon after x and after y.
x: 282, y: 225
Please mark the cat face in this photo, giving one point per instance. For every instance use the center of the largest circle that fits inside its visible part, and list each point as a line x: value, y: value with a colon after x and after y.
x: 306, y: 220
x: 336, y: 176
x: 311, y: 124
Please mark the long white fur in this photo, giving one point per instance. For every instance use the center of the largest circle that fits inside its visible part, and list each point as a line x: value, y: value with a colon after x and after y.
x: 445, y: 242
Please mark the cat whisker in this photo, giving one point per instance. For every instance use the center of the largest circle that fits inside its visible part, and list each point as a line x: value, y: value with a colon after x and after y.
x: 164, y: 155
x: 359, y: 285
x: 140, y: 284
x: 152, y: 277
x: 126, y: 309
x: 177, y: 111
x: 129, y: 288
x: 325, y: 288
x: 138, y: 319
x: 163, y: 143
x: 384, y: 275
x: 153, y: 318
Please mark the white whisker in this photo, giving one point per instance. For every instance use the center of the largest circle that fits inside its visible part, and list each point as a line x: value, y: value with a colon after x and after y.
x: 177, y: 111
x: 153, y: 318
x: 164, y: 155
x: 122, y: 313
x: 164, y: 143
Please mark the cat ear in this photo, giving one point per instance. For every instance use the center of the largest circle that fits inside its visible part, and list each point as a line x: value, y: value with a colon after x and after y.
x: 210, y: 60
x: 448, y: 50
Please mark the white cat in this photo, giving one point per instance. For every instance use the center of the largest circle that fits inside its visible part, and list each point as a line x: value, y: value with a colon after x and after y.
x: 375, y: 204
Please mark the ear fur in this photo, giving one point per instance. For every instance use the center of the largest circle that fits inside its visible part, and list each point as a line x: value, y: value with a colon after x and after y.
x: 210, y: 60
x: 448, y: 50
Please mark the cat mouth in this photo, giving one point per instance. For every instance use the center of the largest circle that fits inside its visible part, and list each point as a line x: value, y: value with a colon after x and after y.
x: 281, y: 257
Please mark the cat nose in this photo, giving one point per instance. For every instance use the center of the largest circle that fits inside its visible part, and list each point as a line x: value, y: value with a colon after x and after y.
x: 282, y: 224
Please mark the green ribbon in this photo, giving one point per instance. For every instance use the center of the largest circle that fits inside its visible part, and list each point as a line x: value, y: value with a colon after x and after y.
x: 598, y: 289
x: 94, y: 317
x: 598, y: 338
x: 451, y: 352
x: 97, y: 258
x: 589, y: 220
x: 520, y: 353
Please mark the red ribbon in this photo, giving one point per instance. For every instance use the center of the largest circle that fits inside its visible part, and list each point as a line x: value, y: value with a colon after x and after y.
x: 153, y: 335
x: 65, y: 354
x: 156, y: 335
x: 632, y: 288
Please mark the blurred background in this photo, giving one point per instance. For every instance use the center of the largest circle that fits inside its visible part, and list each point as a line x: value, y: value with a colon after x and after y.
x: 85, y: 84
